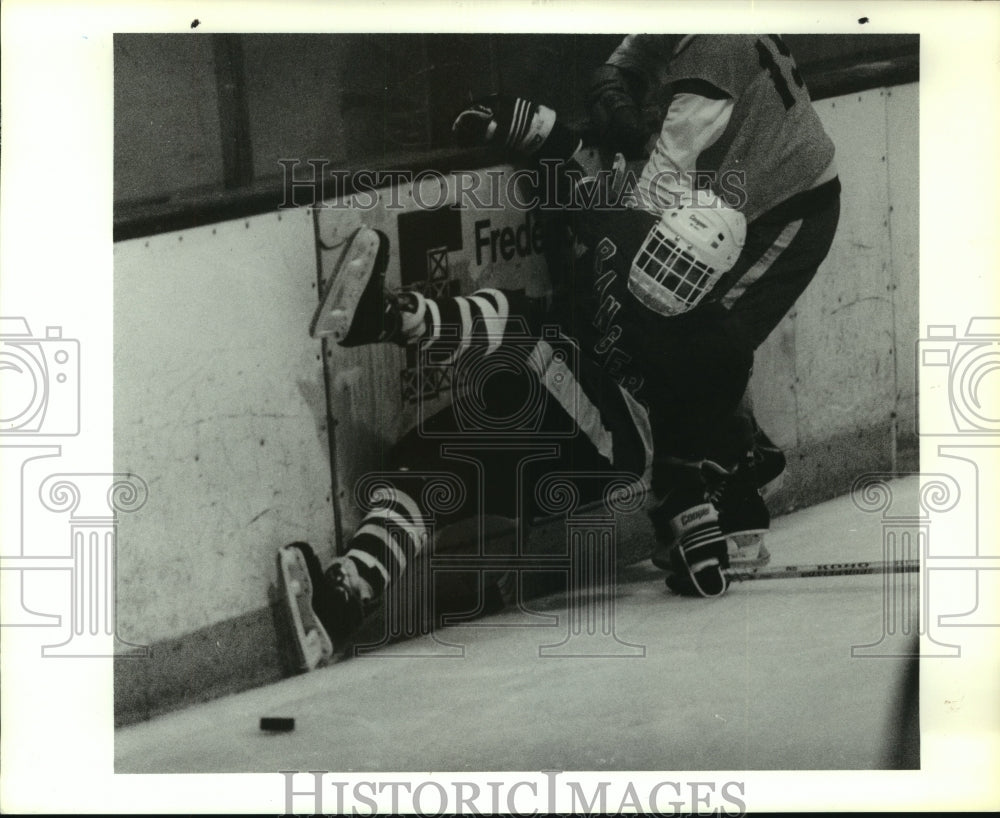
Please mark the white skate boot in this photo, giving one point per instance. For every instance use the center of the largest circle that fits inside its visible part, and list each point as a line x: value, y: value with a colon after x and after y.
x: 324, y: 607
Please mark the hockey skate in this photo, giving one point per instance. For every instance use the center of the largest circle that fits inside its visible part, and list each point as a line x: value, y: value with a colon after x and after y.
x: 744, y: 520
x: 311, y: 641
x: 768, y: 464
x: 324, y: 608
x: 354, y: 308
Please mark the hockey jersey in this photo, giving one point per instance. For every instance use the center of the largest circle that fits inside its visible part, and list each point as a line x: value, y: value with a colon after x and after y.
x: 687, y: 371
x: 773, y: 144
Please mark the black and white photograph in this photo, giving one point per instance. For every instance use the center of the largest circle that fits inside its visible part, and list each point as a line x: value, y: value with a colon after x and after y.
x: 412, y: 408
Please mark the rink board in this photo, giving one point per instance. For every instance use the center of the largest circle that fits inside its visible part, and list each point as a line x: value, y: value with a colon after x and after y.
x: 441, y: 243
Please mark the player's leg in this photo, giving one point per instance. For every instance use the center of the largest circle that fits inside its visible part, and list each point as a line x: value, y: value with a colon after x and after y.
x: 780, y: 258
x: 735, y: 470
x: 708, y: 368
x: 356, y: 309
x: 767, y: 460
x: 394, y: 531
x: 694, y: 369
x: 576, y: 420
x: 334, y: 599
x: 782, y: 253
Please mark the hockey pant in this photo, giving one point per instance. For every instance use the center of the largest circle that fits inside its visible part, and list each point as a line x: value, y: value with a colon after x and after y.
x: 784, y: 248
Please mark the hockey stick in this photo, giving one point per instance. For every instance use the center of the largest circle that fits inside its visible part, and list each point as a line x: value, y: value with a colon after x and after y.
x: 833, y: 569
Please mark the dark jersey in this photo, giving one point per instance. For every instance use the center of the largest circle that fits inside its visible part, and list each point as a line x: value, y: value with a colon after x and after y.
x: 688, y: 370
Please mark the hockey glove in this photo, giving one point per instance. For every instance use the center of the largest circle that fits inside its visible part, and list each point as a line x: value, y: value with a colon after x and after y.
x: 699, y: 571
x: 615, y: 114
x: 516, y: 124
x: 698, y: 552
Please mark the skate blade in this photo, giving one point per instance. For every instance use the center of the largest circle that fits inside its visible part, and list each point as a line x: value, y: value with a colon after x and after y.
x: 312, y: 643
x: 347, y: 283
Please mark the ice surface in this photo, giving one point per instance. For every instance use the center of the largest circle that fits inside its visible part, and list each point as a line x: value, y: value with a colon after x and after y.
x: 762, y: 678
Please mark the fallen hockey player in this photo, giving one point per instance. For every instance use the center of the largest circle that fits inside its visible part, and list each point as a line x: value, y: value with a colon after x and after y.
x: 656, y: 370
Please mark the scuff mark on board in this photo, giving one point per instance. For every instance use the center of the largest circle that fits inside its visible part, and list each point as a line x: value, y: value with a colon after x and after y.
x: 255, y: 519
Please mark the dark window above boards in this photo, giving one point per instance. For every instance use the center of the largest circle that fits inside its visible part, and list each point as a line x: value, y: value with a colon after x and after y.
x: 202, y: 120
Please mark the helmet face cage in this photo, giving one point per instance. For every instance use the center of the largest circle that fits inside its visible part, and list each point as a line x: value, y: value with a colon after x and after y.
x: 683, y: 257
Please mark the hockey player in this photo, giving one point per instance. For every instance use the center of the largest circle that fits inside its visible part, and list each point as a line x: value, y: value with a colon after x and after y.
x: 733, y: 114
x: 656, y: 372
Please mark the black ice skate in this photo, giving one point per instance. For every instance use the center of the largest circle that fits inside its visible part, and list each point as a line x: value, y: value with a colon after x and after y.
x: 324, y: 608
x: 354, y: 308
x: 743, y: 518
x: 767, y: 464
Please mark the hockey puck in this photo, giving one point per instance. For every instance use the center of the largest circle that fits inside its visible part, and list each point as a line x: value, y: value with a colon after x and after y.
x: 275, y: 724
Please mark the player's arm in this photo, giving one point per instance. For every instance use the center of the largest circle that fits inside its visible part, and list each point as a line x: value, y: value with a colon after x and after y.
x: 697, y: 115
x: 526, y: 130
x: 616, y: 91
x: 612, y: 101
x: 694, y: 122
x: 518, y: 125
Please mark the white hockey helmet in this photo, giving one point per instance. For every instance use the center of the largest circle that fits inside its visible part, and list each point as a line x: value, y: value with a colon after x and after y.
x: 686, y: 253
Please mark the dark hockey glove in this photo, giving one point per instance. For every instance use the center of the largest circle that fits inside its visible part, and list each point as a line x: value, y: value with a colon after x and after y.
x: 698, y: 571
x: 698, y: 553
x: 615, y: 113
x: 515, y: 124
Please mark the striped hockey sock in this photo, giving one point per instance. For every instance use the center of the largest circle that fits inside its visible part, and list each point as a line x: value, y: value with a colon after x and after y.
x: 455, y: 324
x: 390, y: 535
